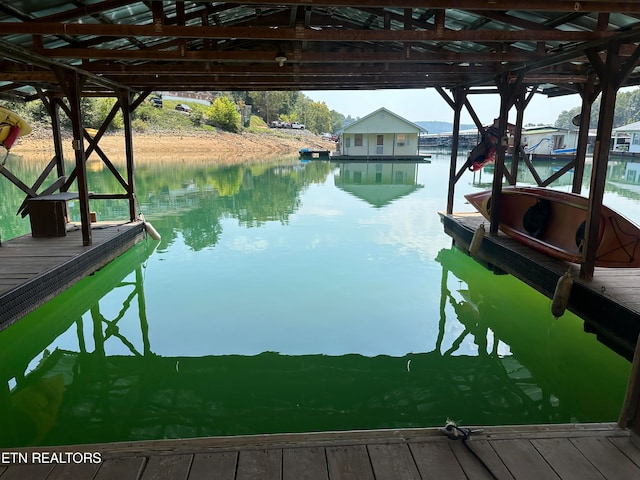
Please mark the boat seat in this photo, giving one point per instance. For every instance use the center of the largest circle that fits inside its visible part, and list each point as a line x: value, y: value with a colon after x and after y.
x: 536, y: 218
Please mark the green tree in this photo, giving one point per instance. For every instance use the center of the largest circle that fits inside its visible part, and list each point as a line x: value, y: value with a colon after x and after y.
x: 627, y: 110
x: 337, y: 121
x: 223, y: 114
x: 272, y: 106
x: 565, y: 117
x: 314, y: 115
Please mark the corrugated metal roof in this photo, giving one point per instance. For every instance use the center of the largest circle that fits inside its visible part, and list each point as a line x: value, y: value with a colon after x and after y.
x: 331, y: 44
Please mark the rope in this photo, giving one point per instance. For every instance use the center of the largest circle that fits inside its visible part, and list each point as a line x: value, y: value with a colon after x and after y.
x: 454, y: 432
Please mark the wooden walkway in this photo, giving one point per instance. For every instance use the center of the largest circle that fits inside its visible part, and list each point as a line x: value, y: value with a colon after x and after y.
x: 609, y: 304
x: 34, y: 270
x: 561, y: 452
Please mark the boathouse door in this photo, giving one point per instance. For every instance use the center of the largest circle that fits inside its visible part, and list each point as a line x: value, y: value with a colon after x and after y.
x: 380, y: 145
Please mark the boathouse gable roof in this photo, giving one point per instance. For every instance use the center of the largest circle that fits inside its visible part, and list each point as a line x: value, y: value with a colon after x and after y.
x: 545, y: 130
x: 383, y: 121
x: 630, y: 127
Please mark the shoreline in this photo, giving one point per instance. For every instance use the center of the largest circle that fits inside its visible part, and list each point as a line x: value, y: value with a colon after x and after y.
x: 219, y: 147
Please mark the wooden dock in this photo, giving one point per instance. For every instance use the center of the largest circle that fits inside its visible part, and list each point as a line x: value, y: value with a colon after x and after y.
x: 308, y: 154
x: 609, y: 304
x: 560, y: 452
x: 34, y: 270
x: 381, y: 158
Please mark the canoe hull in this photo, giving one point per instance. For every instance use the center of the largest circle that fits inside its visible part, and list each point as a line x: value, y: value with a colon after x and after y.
x: 552, y: 222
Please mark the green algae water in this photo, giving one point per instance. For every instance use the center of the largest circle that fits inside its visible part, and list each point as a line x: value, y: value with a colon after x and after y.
x: 296, y: 297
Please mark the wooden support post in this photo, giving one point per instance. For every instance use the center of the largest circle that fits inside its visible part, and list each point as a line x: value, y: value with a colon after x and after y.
x: 51, y: 104
x: 498, y: 172
x: 459, y: 96
x: 600, y: 161
x: 630, y: 414
x: 588, y: 95
x: 73, y: 87
x: 125, y: 104
x: 521, y: 102
x: 54, y: 112
x: 612, y: 74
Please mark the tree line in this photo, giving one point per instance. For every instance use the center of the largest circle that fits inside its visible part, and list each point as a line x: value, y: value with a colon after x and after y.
x: 627, y: 110
x: 225, y: 112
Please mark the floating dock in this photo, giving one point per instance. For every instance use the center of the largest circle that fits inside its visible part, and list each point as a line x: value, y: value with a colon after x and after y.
x: 559, y: 452
x: 609, y: 304
x: 34, y: 270
x: 381, y: 158
x: 308, y: 154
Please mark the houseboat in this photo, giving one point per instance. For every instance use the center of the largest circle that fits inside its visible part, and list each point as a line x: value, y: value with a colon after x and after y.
x: 381, y: 135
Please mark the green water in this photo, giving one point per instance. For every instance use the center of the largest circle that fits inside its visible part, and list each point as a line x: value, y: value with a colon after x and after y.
x: 293, y: 297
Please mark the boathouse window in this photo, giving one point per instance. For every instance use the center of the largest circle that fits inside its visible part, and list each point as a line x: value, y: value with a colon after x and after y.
x: 357, y: 140
x: 635, y: 139
x: 401, y: 139
x: 347, y: 141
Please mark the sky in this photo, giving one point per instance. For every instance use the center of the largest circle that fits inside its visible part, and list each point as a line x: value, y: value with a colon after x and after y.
x: 427, y: 105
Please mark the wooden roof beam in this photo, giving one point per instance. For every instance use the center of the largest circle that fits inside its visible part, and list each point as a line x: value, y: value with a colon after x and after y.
x: 621, y: 6
x: 17, y: 53
x: 304, y: 57
x: 297, y: 34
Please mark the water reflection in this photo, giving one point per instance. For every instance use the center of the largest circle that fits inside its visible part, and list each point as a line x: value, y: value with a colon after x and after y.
x: 377, y: 183
x: 548, y: 365
x: 253, y: 195
x: 45, y: 356
x: 91, y: 373
x: 284, y: 298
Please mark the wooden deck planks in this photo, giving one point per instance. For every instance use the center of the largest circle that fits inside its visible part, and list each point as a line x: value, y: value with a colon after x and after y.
x: 125, y: 468
x: 349, y: 463
x: 307, y: 463
x: 219, y: 465
x: 566, y: 460
x: 522, y: 460
x: 33, y: 270
x: 480, y: 461
x: 31, y: 471
x: 73, y: 471
x: 565, y: 452
x: 437, y: 460
x: 607, y: 458
x: 393, y: 461
x: 174, y: 467
x: 260, y: 465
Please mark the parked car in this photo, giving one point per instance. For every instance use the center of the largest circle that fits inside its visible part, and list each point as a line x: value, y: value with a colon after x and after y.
x: 156, y: 102
x: 276, y: 124
x: 181, y: 107
x: 297, y: 125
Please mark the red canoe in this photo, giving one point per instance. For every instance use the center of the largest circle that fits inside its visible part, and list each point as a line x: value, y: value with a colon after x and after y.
x: 553, y: 222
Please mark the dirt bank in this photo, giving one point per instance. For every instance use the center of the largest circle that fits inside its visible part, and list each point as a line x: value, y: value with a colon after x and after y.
x: 217, y: 147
